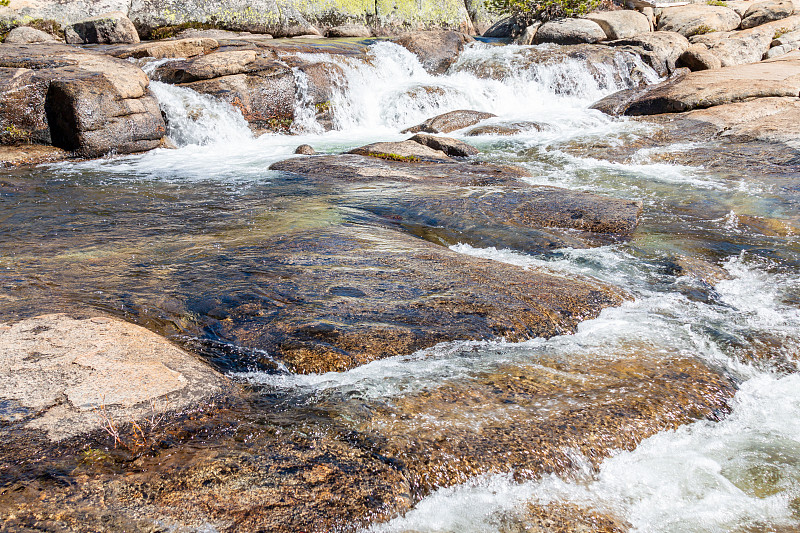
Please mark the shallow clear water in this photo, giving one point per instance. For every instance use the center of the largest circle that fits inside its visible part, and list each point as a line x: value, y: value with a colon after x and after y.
x: 170, y: 239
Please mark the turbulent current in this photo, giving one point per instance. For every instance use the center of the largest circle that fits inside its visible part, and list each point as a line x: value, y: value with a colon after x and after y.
x: 737, y: 309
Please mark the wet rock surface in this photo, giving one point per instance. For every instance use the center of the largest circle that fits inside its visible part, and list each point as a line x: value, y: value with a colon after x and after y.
x: 450, y: 121
x: 436, y: 50
x: 400, y: 294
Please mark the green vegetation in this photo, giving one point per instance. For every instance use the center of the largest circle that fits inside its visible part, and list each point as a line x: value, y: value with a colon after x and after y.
x: 394, y: 157
x: 526, y: 11
x: 12, y: 135
x: 167, y: 32
x: 46, y: 25
x: 323, y: 107
x: 702, y: 30
x: 719, y: 3
x: 781, y: 31
x: 4, y: 3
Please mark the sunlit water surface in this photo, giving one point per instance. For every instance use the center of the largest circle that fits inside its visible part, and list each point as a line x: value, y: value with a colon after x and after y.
x: 166, y: 238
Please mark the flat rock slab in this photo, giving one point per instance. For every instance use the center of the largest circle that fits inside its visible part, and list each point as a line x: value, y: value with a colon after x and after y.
x: 343, y: 296
x: 709, y: 88
x: 64, y: 375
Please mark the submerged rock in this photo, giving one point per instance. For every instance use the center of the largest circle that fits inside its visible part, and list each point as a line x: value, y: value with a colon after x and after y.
x: 396, y: 295
x: 504, y: 128
x: 68, y: 376
x: 447, y: 122
x: 567, y: 414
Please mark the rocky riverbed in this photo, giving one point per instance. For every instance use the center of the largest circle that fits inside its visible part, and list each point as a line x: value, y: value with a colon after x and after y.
x: 545, y: 280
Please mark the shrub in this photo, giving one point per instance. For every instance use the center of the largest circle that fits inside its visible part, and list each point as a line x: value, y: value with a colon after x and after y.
x: 526, y: 11
x: 4, y: 3
x: 719, y: 3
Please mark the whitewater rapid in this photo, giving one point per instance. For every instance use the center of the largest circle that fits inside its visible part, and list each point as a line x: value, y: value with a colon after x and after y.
x: 741, y: 474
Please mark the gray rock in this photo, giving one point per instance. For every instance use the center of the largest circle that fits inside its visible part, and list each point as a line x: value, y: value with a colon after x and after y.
x: 447, y: 122
x: 436, y: 49
x: 739, y: 48
x: 660, y: 49
x: 505, y: 128
x: 620, y: 24
x: 349, y: 30
x: 448, y: 145
x: 763, y: 12
x: 406, y: 151
x: 28, y: 35
x: 791, y: 37
x: 305, y: 149
x: 214, y: 65
x: 570, y: 31
x: 70, y: 376
x: 108, y: 28
x: 697, y: 19
x: 502, y: 29
x: 699, y: 57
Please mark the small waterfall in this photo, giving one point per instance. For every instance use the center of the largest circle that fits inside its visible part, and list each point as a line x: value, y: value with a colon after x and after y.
x: 305, y: 117
x: 194, y: 118
x: 391, y: 90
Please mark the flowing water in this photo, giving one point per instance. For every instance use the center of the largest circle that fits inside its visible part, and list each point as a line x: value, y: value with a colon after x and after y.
x: 170, y: 239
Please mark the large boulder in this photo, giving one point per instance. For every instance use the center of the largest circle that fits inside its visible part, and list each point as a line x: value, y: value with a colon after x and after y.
x: 451, y: 121
x: 78, y: 100
x: 570, y: 31
x: 349, y: 30
x: 763, y: 12
x: 741, y: 47
x: 699, y: 57
x: 697, y: 19
x: 660, y: 49
x: 776, y: 77
x: 67, y: 376
x: 436, y: 49
x: 620, y: 24
x: 107, y: 28
x: 28, y: 35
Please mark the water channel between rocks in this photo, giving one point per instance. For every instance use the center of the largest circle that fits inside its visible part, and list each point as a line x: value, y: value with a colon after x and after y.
x: 174, y: 240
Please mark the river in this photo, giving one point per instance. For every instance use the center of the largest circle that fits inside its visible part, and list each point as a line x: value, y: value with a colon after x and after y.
x: 167, y: 239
